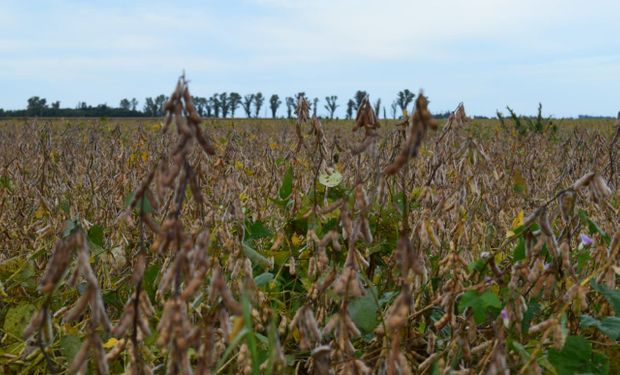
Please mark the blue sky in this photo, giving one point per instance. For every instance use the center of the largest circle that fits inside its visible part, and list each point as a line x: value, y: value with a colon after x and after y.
x: 486, y: 53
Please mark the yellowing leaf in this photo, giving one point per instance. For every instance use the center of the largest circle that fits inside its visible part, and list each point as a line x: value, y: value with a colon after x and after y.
x: 243, y: 197
x: 238, y: 165
x: 237, y: 325
x: 110, y: 343
x: 273, y: 146
x: 40, y: 212
x: 145, y: 156
x: 518, y: 220
x: 296, y: 240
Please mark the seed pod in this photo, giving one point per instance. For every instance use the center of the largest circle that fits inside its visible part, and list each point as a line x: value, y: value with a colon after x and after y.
x: 583, y: 181
x: 542, y: 326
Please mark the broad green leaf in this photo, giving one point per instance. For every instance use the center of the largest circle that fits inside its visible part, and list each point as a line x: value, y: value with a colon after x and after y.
x: 482, y: 305
x: 95, y: 235
x: 287, y: 184
x: 256, y: 230
x: 146, y: 205
x: 263, y: 279
x: 612, y: 295
x: 519, y: 252
x: 17, y: 318
x: 69, y: 346
x: 609, y: 325
x: 363, y: 311
x: 576, y: 357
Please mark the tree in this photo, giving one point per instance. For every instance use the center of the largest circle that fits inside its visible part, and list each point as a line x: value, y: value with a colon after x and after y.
x: 215, y: 104
x: 125, y: 104
x: 247, y: 104
x: 331, y: 105
x: 150, y: 108
x: 201, y: 105
x: 378, y: 107
x: 160, y: 102
x: 359, y: 98
x: 36, y: 106
x: 290, y: 107
x: 134, y: 104
x: 259, y: 99
x: 394, y: 108
x: 404, y: 98
x: 350, y: 106
x: 224, y: 104
x: 274, y: 103
x: 315, y: 103
x: 300, y: 95
x: 234, y: 100
x: 56, y: 104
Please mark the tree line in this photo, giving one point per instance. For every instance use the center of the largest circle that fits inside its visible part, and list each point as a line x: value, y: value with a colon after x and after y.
x: 218, y: 105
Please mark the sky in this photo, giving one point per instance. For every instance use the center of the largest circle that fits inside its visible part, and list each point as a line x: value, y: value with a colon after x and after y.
x: 485, y: 53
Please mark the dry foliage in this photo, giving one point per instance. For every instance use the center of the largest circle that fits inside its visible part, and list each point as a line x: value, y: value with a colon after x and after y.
x: 249, y: 248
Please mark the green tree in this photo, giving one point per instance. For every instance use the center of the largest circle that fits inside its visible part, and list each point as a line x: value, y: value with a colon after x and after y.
x: 215, y: 104
x: 247, y: 104
x: 150, y: 108
x: 259, y: 99
x: 378, y: 107
x: 290, y: 107
x: 274, y: 103
x: 315, y: 103
x: 134, y: 104
x: 359, y: 97
x: 404, y: 98
x: 224, y: 104
x: 201, y: 105
x: 36, y: 106
x: 350, y: 107
x: 160, y: 102
x: 125, y: 104
x: 394, y: 109
x: 331, y: 105
x: 234, y: 100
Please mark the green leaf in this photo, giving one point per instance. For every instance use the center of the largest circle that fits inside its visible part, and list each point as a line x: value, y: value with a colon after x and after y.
x: 481, y: 305
x: 363, y: 311
x: 593, y: 228
x: 609, y: 325
x: 256, y: 257
x: 519, y: 252
x: 150, y: 276
x: 250, y: 337
x: 330, y: 179
x: 477, y: 265
x: 263, y: 279
x: 612, y: 295
x: 5, y: 183
x: 256, y: 230
x: 147, y: 206
x: 95, y: 235
x: 17, y: 318
x: 576, y: 357
x: 287, y: 184
x: 70, y: 226
x: 69, y: 346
